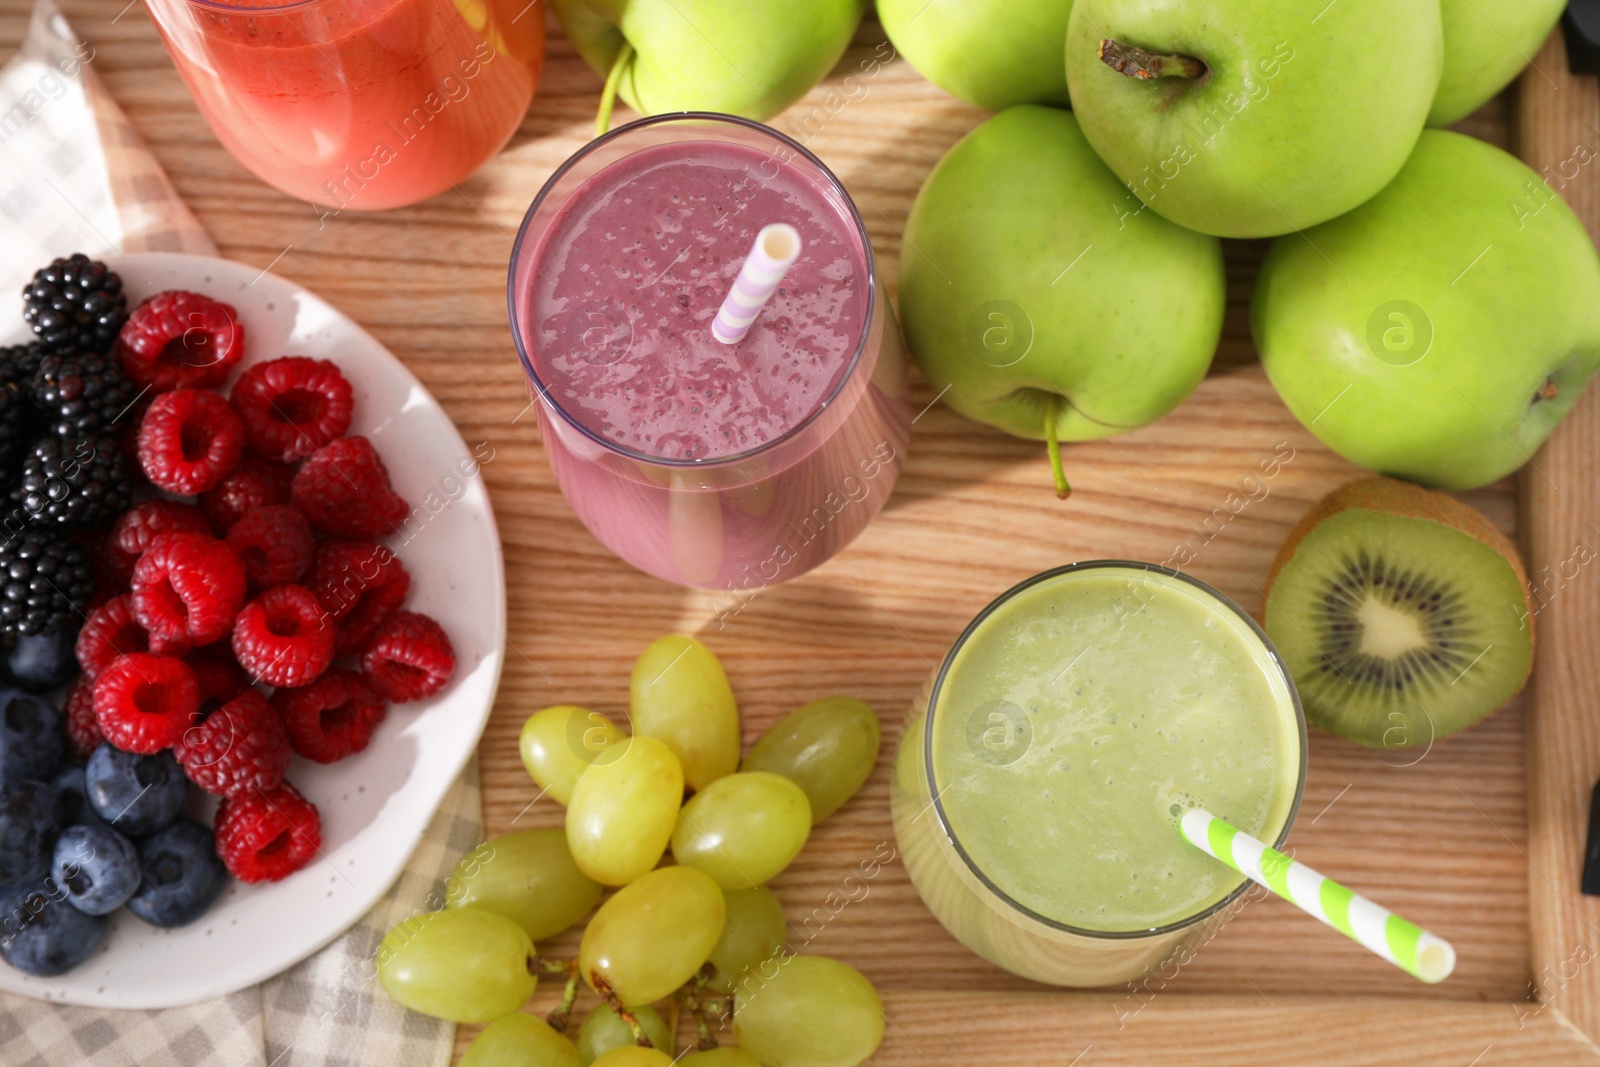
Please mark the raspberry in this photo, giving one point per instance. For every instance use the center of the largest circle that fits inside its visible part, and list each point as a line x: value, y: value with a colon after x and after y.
x: 219, y: 676
x: 143, y: 702
x: 83, y: 730
x: 180, y: 340
x: 410, y: 658
x: 360, y: 584
x: 292, y: 406
x: 188, y: 440
x: 110, y: 631
x: 241, y: 747
x: 264, y: 836
x: 170, y: 644
x: 187, y: 587
x: 133, y: 531
x: 332, y: 717
x: 275, y: 544
x: 281, y: 639
x: 344, y: 490
x: 254, y: 483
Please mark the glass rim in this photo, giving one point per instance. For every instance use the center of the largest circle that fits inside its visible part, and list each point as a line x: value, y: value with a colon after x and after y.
x: 233, y: 8
x: 933, y: 785
x: 708, y: 117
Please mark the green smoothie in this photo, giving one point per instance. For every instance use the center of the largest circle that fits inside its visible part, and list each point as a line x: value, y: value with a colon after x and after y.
x: 1070, y: 728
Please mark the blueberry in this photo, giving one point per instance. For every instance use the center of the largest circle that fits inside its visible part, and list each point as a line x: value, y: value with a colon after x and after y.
x: 43, y: 935
x: 27, y: 832
x: 97, y: 867
x: 72, y: 798
x: 181, y: 875
x: 32, y: 737
x: 136, y: 795
x: 42, y: 662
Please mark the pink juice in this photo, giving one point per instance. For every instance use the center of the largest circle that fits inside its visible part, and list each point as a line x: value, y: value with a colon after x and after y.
x: 727, y: 467
x: 360, y: 104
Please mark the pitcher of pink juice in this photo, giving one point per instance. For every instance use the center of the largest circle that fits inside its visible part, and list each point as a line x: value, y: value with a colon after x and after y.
x: 726, y: 467
x: 359, y: 104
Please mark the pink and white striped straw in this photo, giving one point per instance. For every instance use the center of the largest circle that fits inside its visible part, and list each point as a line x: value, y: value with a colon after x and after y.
x: 769, y: 260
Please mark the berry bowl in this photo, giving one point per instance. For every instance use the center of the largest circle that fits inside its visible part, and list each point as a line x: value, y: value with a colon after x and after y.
x: 376, y: 804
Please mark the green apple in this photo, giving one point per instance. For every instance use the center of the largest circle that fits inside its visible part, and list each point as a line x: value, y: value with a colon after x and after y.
x: 1440, y: 331
x: 1253, y: 119
x: 742, y: 57
x: 1486, y: 44
x: 992, y: 53
x: 1039, y: 296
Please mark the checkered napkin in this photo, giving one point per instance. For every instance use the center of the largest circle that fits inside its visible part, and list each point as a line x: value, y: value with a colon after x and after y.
x: 76, y: 176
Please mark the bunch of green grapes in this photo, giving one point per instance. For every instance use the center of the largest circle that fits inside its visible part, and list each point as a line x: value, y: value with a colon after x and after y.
x: 703, y: 932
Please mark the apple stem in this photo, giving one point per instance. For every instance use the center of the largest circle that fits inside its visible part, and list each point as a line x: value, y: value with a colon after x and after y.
x: 608, y: 95
x: 1145, y: 65
x: 1053, y: 445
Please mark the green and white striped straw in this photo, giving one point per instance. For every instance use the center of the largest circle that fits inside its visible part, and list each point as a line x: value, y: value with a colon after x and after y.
x: 1404, y: 944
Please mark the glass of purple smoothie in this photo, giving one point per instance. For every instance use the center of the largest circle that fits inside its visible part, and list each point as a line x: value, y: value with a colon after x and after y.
x: 721, y: 467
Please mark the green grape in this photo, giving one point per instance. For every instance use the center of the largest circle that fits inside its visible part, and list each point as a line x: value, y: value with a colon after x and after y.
x: 777, y: 1020
x: 558, y: 743
x: 634, y: 1056
x: 743, y: 829
x: 461, y: 964
x: 604, y: 1030
x: 519, y: 1041
x: 653, y: 935
x: 623, y: 811
x: 680, y: 694
x: 827, y: 747
x: 755, y: 931
x: 727, y: 1056
x: 529, y: 877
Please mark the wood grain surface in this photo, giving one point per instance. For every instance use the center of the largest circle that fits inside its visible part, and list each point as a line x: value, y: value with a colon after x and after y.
x: 1558, y: 121
x: 1447, y: 841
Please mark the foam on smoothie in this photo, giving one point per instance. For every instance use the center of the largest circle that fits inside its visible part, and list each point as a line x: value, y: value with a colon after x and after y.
x: 1082, y: 718
x: 635, y: 268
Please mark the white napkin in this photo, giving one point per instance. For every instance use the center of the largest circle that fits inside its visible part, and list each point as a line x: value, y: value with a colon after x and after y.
x: 76, y: 177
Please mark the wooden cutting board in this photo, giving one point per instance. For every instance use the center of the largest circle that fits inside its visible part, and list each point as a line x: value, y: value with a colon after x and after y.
x: 1480, y: 841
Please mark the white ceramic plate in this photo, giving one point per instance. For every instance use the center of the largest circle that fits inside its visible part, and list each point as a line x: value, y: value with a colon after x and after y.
x: 375, y: 804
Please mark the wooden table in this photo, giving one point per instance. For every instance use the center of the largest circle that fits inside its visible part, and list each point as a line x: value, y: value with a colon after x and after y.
x: 1457, y: 842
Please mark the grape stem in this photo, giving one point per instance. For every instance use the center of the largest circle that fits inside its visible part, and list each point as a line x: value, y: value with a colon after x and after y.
x: 614, y: 1002
x: 693, y: 996
x: 552, y: 966
x: 560, y: 1017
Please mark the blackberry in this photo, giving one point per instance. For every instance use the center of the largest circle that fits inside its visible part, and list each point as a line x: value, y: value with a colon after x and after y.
x: 82, y: 396
x: 14, y: 431
x: 19, y: 363
x: 45, y: 581
x: 75, y: 303
x: 75, y: 482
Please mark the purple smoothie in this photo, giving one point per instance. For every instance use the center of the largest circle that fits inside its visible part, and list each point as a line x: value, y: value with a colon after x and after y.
x: 727, y: 467
x: 641, y: 261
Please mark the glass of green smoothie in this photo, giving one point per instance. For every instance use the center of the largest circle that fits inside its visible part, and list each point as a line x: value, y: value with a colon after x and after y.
x: 1045, y: 766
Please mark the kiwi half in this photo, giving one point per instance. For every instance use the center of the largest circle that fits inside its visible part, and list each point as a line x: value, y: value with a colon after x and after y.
x: 1402, y: 613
